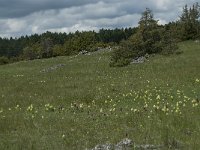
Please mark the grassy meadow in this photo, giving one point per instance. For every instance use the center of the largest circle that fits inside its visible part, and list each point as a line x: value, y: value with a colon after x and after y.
x: 86, y: 102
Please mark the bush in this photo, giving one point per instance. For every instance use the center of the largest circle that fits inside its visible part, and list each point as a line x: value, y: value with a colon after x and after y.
x: 158, y: 41
x: 4, y: 60
x: 132, y: 48
x: 122, y: 55
x: 58, y: 50
x: 168, y: 44
x: 30, y: 53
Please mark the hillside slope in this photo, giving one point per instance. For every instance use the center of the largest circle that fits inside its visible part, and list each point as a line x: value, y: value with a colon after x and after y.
x: 79, y: 102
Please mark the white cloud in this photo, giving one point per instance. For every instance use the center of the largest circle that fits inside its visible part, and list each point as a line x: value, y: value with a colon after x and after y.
x: 15, y: 25
x: 162, y: 22
x: 28, y: 16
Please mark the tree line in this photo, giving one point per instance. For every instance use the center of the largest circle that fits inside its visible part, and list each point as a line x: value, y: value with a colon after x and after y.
x: 58, y: 44
x: 148, y: 37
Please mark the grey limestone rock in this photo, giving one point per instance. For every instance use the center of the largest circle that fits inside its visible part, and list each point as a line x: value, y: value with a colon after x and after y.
x: 52, y: 68
x: 138, y: 60
x: 125, y: 144
x: 103, y: 147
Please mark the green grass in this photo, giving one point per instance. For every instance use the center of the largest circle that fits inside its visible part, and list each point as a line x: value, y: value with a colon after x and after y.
x: 86, y: 102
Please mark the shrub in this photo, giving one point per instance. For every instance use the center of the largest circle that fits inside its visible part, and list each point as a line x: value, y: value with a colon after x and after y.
x: 121, y: 55
x: 168, y: 44
x: 58, y: 50
x: 4, y: 60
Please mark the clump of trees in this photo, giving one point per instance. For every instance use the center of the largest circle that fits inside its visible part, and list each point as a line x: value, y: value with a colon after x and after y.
x: 150, y: 38
x: 189, y: 22
x: 188, y: 25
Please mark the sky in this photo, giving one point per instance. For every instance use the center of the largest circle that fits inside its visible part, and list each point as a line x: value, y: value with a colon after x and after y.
x: 26, y: 17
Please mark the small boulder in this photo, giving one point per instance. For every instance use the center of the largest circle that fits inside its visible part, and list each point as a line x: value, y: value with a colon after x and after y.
x: 103, y: 147
x: 125, y: 144
x: 83, y: 52
x: 138, y: 60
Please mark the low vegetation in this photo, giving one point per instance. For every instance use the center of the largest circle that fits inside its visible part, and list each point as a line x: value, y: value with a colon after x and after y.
x: 85, y: 102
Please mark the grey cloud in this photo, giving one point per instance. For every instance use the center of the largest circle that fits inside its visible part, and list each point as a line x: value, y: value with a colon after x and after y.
x: 20, y: 8
x: 19, y: 17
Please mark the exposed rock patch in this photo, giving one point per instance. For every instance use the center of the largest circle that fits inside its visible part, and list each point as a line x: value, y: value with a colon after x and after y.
x: 52, y: 68
x: 98, y: 49
x: 104, y: 147
x: 127, y: 144
x: 84, y: 52
x: 140, y: 60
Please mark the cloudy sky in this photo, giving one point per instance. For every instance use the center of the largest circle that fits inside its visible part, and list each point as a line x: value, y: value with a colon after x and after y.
x: 21, y: 17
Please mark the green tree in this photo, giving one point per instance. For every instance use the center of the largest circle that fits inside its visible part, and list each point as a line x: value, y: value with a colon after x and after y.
x: 79, y: 42
x: 47, y: 48
x: 168, y: 43
x: 4, y: 60
x: 189, y: 22
x: 32, y: 52
x: 58, y: 50
x: 150, y: 32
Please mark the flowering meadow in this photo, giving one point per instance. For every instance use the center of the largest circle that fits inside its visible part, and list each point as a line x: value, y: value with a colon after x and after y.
x: 85, y: 102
